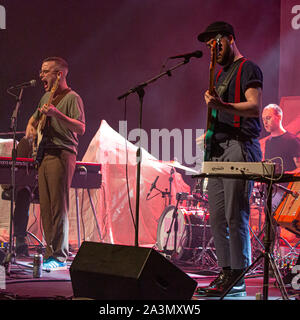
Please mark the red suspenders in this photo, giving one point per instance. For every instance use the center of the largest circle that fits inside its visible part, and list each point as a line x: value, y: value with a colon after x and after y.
x: 237, y: 95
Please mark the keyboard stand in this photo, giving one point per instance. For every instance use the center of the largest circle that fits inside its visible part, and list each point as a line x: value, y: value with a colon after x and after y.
x: 266, y: 254
x: 78, y: 215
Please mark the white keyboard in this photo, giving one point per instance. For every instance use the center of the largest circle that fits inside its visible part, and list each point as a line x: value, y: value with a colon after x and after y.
x: 243, y: 168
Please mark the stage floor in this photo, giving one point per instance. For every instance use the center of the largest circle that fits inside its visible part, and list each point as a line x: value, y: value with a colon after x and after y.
x: 56, y: 285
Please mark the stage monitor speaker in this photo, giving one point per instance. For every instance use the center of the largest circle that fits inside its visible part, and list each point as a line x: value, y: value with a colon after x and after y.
x: 104, y: 271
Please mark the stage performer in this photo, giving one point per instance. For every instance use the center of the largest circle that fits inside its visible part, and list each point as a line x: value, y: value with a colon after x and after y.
x: 236, y: 128
x: 57, y: 156
x: 283, y: 144
x: 280, y: 142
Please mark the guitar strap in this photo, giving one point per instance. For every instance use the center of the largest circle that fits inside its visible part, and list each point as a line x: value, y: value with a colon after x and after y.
x: 224, y: 85
x: 237, y: 96
x: 220, y: 90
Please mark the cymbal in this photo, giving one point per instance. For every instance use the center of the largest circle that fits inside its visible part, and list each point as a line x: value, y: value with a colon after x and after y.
x: 176, y: 164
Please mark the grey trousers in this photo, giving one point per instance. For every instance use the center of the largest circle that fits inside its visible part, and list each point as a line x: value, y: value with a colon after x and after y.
x: 55, y: 176
x: 229, y: 208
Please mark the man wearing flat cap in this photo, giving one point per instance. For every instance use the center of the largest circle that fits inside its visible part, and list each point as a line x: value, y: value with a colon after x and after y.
x: 235, y: 105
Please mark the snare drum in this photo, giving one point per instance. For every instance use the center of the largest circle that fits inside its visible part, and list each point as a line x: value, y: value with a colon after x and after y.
x: 193, y: 232
x: 287, y: 213
x: 277, y: 196
x: 258, y: 197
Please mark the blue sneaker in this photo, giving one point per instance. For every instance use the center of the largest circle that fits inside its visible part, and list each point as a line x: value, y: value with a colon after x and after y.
x: 53, y: 264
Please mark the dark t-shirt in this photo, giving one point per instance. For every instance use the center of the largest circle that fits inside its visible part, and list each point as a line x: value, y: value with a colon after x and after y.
x: 249, y: 127
x: 285, y: 146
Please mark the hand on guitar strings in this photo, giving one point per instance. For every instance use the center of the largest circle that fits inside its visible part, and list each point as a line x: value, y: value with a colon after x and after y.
x: 48, y: 110
x: 213, y: 100
x: 200, y: 141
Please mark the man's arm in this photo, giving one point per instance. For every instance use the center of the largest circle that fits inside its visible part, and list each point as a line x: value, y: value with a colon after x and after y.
x: 72, y: 124
x: 297, y: 162
x: 30, y: 132
x: 249, y: 108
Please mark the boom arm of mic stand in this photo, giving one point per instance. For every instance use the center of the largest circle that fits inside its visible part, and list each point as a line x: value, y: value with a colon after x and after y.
x: 140, y: 91
x: 144, y: 84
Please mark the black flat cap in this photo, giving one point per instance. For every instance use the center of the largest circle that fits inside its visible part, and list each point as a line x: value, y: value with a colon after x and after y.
x: 215, y: 28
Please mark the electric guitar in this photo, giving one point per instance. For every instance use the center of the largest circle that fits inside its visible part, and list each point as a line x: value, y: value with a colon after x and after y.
x: 37, y: 144
x: 211, y: 113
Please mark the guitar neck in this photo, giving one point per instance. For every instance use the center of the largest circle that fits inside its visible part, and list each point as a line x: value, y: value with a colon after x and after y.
x: 211, y: 80
x: 51, y: 96
x: 212, y: 66
x: 42, y: 121
x: 43, y: 116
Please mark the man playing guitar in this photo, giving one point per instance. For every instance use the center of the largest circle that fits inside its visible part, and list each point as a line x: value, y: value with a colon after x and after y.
x: 60, y: 119
x: 234, y: 127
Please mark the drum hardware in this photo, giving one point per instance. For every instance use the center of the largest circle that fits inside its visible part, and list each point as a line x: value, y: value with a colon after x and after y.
x: 265, y: 255
x: 257, y: 201
x: 284, y: 256
x: 167, y: 194
x: 282, y: 200
x: 295, y: 194
x: 175, y: 222
x: 207, y: 256
x: 285, y: 209
x: 200, y: 191
x: 193, y: 200
x: 202, y: 253
x: 256, y: 249
x: 278, y: 192
x: 183, y: 234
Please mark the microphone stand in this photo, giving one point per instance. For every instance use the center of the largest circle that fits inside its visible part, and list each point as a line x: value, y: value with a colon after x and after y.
x: 165, y: 193
x: 13, y: 126
x: 170, y: 184
x: 139, y: 89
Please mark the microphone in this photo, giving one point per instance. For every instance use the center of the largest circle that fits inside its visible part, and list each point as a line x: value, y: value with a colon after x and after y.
x: 153, y: 185
x: 31, y: 83
x: 195, y: 54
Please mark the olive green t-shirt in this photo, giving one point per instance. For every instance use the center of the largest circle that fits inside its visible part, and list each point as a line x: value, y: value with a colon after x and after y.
x: 57, y: 135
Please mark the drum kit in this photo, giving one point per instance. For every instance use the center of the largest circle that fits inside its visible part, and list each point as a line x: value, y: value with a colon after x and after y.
x: 183, y: 232
x: 184, y: 235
